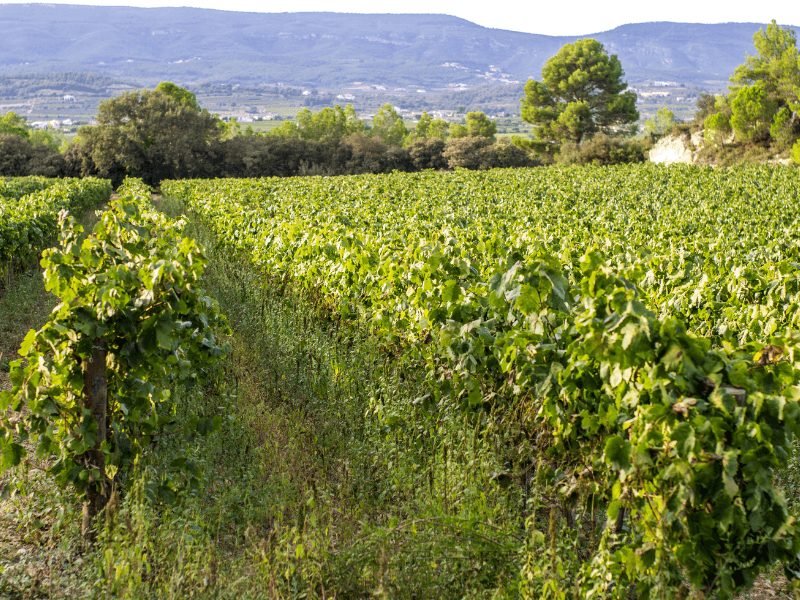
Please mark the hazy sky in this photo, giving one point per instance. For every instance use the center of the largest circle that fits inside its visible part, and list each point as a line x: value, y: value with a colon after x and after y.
x: 554, y: 18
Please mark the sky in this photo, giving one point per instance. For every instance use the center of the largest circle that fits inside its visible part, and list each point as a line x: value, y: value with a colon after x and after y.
x: 571, y: 17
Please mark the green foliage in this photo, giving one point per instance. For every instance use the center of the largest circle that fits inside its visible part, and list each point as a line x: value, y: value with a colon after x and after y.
x: 717, y: 127
x: 602, y: 150
x: 776, y: 64
x: 782, y: 128
x: 329, y: 124
x: 476, y: 125
x: 575, y: 122
x: 465, y: 152
x: 752, y: 112
x: 152, y: 134
x: 129, y: 293
x: 388, y: 125
x: 47, y: 138
x: 645, y: 396
x: 29, y: 212
x: 427, y: 154
x: 181, y: 95
x: 478, y: 152
x: 796, y: 152
x: 765, y: 94
x: 706, y: 105
x: 581, y: 93
x: 429, y: 128
x: 36, y: 153
x: 660, y: 124
x: 480, y: 125
x: 458, y: 130
x: 679, y: 437
x: 14, y: 124
x: 17, y: 187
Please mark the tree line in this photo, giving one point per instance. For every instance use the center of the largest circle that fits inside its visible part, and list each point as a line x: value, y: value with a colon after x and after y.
x: 27, y: 152
x: 164, y: 133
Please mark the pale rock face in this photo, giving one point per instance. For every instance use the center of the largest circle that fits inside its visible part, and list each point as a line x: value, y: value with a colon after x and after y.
x: 673, y: 149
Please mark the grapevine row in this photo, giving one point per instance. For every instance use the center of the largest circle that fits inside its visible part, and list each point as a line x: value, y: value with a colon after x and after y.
x: 635, y: 323
x: 95, y: 384
x: 17, y: 187
x: 30, y: 222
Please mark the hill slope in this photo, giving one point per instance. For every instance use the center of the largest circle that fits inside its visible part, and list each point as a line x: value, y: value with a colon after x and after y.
x: 332, y: 49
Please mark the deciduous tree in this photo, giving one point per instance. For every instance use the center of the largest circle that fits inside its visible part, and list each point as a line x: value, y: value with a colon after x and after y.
x: 153, y: 134
x: 388, y: 125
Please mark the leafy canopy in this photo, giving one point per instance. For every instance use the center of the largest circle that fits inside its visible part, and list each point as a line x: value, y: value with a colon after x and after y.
x: 429, y: 128
x: 178, y: 93
x: 329, y: 124
x: 14, y: 124
x: 581, y: 93
x: 776, y: 64
x: 752, y: 111
x: 388, y: 125
x: 764, y: 101
x: 661, y: 123
x: 153, y: 134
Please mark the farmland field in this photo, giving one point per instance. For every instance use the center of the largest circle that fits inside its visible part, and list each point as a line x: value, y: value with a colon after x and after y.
x: 553, y: 382
x: 716, y: 248
x: 623, y: 337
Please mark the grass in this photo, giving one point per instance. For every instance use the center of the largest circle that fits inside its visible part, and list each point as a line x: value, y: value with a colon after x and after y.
x: 316, y: 499
x: 23, y: 306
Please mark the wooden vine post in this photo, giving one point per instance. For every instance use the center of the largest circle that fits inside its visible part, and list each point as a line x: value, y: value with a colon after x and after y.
x: 95, y: 385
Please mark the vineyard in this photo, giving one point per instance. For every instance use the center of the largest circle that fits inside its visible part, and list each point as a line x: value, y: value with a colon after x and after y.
x: 566, y: 382
x: 629, y: 332
x: 29, y: 208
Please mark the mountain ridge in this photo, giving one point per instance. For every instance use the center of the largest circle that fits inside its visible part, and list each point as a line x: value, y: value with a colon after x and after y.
x: 194, y: 45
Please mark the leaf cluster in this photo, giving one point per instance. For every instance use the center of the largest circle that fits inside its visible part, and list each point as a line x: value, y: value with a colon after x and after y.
x: 132, y: 288
x: 30, y: 207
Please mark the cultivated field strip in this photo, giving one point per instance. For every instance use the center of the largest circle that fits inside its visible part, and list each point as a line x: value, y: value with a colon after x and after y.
x: 631, y: 330
x: 29, y: 208
x: 715, y: 247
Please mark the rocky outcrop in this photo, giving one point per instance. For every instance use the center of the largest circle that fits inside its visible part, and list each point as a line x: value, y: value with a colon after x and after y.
x: 673, y: 149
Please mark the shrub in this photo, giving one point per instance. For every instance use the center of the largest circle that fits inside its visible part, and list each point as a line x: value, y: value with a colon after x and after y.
x: 427, y: 154
x: 602, y: 150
